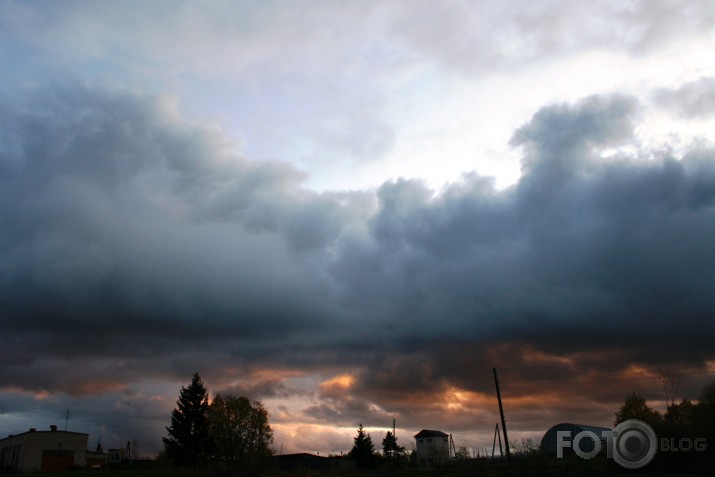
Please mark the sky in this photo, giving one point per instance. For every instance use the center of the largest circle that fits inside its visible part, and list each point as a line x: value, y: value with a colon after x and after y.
x: 354, y: 211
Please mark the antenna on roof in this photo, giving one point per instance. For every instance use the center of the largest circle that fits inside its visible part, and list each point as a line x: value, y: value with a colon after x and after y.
x: 67, y: 416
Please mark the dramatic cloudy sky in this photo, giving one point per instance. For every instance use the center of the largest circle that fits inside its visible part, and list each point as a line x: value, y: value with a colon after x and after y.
x: 353, y: 211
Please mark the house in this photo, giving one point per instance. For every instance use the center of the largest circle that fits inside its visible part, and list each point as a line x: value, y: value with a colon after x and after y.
x: 432, y: 447
x: 45, y: 451
x: 586, y: 443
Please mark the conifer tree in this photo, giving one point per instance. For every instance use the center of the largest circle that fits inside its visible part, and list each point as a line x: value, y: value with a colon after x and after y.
x: 363, y: 451
x: 189, y: 443
x: 390, y: 449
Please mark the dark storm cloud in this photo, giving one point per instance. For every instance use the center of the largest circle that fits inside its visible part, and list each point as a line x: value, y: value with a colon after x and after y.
x: 135, y: 243
x: 595, y: 261
x: 262, y: 388
x: 580, y: 237
x: 125, y: 227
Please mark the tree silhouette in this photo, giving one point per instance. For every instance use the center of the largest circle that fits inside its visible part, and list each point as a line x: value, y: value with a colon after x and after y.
x: 240, y: 430
x: 390, y: 449
x: 636, y: 407
x: 189, y: 443
x: 692, y: 422
x: 363, y: 451
x: 704, y: 425
x: 682, y: 414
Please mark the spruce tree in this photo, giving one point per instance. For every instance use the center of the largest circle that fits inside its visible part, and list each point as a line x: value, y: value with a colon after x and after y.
x: 390, y: 449
x: 363, y: 451
x: 189, y: 443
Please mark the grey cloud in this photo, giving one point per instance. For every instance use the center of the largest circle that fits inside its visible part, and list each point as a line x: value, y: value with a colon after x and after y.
x: 316, y: 80
x: 580, y: 243
x: 559, y: 140
x: 344, y: 412
x: 459, y: 37
x: 599, y: 262
x: 262, y: 389
x: 293, y: 72
x: 695, y: 99
x: 659, y: 21
x: 120, y: 214
x: 219, y: 38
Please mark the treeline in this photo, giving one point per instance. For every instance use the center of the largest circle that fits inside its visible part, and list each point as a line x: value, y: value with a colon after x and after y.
x: 678, y: 429
x: 231, y: 431
x: 234, y: 432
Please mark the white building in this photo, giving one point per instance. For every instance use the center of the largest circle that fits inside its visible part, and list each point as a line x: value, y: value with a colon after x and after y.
x: 432, y: 447
x: 46, y: 451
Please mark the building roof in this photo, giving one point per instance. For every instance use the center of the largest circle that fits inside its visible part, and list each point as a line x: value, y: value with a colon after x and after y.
x: 430, y: 433
x: 548, y: 442
x: 33, y: 431
x: 299, y: 455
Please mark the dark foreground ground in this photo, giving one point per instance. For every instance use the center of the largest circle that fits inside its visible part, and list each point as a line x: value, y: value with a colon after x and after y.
x: 520, y: 467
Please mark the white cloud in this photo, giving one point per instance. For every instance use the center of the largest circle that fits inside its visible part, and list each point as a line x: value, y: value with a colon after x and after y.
x: 359, y: 93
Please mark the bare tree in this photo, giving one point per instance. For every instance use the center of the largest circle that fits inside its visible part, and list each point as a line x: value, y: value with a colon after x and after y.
x: 671, y: 384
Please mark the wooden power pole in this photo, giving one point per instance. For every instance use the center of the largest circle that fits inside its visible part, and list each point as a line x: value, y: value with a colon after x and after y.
x: 494, y: 444
x: 503, y: 421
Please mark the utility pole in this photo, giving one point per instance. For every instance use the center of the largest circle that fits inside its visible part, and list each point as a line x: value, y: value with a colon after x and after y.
x: 393, y: 452
x: 494, y: 444
x: 503, y: 421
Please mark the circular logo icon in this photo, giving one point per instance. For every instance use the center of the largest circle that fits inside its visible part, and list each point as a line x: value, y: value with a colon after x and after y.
x: 634, y: 444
